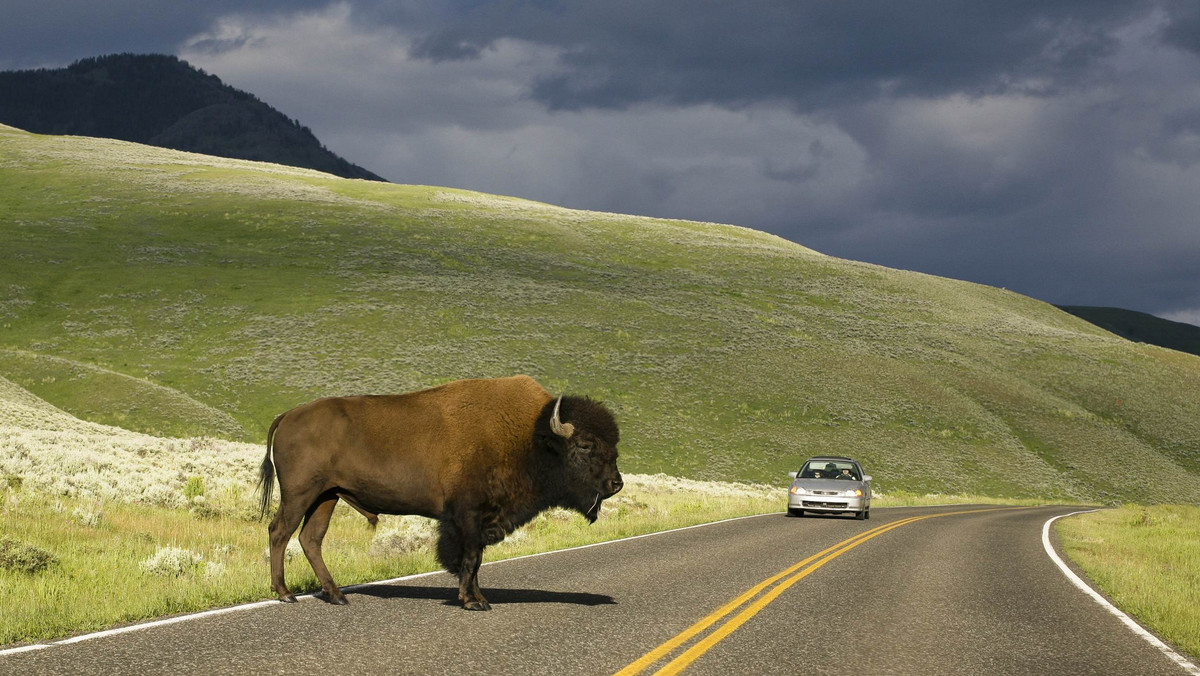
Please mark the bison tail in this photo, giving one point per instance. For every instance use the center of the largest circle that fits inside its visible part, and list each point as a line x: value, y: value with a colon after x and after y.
x: 266, y: 473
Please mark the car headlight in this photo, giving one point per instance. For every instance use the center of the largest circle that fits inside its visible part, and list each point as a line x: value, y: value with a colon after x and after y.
x: 796, y: 490
x: 856, y: 493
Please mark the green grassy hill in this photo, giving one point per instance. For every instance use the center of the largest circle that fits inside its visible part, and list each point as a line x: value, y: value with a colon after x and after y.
x: 186, y: 295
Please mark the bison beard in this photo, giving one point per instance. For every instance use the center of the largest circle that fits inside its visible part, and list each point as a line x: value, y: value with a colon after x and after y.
x: 483, y: 457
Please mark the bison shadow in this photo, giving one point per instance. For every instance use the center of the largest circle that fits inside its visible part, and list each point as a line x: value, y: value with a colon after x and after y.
x: 495, y: 595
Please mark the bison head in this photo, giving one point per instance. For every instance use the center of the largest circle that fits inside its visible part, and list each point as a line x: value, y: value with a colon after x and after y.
x: 581, y: 435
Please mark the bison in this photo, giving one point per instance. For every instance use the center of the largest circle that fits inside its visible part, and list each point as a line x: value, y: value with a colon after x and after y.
x: 483, y: 457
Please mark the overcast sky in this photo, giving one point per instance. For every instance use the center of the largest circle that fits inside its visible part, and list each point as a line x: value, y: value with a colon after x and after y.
x: 1051, y: 147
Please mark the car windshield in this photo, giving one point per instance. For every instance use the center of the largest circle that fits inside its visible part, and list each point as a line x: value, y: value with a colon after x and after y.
x: 830, y: 469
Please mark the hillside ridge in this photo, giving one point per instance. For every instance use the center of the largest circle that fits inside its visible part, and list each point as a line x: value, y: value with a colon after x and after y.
x: 1141, y: 327
x: 163, y: 101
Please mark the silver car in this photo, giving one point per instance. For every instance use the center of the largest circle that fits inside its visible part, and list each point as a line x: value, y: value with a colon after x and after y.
x: 830, y: 485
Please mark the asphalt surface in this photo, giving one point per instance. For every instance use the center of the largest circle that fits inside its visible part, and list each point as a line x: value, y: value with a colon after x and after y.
x: 962, y: 593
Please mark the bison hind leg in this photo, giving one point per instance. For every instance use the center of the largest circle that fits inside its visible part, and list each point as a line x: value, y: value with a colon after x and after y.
x: 287, y: 518
x: 312, y: 533
x: 449, y: 546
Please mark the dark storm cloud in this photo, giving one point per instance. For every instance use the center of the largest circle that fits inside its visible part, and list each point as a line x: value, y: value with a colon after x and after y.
x: 812, y: 54
x: 1183, y: 27
x: 57, y: 32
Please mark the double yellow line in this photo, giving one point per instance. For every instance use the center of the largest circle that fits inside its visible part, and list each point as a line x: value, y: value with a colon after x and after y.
x: 793, y: 575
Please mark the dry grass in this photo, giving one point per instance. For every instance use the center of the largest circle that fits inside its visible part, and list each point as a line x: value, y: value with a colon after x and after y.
x: 72, y: 564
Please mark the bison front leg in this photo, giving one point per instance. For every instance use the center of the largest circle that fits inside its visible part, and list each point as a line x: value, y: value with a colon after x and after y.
x: 460, y: 550
x: 468, y: 580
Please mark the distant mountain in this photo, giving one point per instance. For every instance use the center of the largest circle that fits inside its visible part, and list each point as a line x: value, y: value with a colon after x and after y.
x: 161, y: 101
x: 1141, y: 327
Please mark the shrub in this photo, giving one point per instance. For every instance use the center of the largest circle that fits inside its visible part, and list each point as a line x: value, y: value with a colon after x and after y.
x: 213, y: 570
x: 23, y: 557
x: 194, y: 488
x: 202, y: 509
x: 172, y: 562
x: 87, y: 518
x: 160, y: 495
x: 409, y: 535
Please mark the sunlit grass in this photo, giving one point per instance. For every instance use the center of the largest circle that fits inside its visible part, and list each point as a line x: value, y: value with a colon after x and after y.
x: 117, y: 562
x: 907, y: 499
x: 1147, y: 560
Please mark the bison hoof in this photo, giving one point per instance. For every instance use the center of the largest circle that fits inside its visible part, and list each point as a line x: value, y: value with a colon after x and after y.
x: 477, y: 605
x: 336, y: 597
x: 287, y: 598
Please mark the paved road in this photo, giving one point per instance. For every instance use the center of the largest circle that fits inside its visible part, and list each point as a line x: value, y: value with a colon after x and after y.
x: 950, y: 594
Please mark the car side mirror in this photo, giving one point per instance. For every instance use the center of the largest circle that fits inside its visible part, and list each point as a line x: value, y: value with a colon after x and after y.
x: 793, y: 474
x: 866, y: 477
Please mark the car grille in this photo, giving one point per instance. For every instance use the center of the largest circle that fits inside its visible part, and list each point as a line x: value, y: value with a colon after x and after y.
x: 815, y: 503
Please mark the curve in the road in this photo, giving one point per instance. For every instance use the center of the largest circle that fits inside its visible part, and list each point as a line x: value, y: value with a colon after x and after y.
x: 752, y: 607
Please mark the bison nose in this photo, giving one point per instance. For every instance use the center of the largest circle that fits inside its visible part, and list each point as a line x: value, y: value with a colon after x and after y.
x: 614, y: 485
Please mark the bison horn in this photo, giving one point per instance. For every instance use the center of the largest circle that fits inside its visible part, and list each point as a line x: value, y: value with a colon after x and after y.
x: 564, y: 430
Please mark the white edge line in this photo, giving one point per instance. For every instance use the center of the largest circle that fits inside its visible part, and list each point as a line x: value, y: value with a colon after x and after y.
x: 261, y: 604
x: 1136, y: 628
x: 25, y: 649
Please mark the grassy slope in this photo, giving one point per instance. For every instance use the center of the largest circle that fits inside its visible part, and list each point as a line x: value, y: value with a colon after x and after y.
x: 232, y: 291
